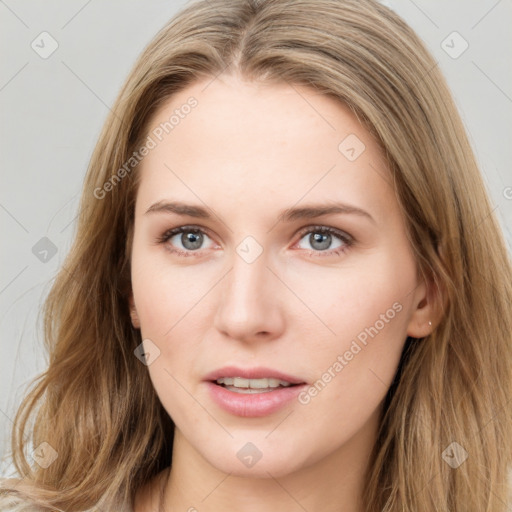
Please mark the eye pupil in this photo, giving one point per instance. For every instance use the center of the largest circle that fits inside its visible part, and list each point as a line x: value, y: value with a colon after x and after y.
x: 323, y: 239
x: 191, y: 240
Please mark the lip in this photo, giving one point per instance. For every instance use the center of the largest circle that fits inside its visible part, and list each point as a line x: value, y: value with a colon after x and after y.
x: 257, y: 404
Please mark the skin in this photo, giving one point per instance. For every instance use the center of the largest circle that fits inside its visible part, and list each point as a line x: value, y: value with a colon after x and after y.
x: 248, y: 151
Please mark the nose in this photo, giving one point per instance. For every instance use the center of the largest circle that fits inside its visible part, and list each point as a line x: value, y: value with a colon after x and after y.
x: 250, y: 307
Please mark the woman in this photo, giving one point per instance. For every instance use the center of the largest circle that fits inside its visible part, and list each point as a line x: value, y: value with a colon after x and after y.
x: 287, y: 288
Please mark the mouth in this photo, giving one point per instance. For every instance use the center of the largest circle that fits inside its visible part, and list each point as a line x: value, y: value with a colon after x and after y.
x: 252, y: 386
x: 252, y: 392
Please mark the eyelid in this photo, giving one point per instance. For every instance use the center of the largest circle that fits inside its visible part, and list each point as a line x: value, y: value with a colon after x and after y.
x: 169, y: 233
x: 347, y: 239
x: 322, y: 228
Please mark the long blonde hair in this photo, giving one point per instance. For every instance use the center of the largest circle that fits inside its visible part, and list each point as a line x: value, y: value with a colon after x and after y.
x: 95, y: 404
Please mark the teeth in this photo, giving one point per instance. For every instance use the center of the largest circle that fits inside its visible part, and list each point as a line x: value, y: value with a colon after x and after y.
x: 240, y: 382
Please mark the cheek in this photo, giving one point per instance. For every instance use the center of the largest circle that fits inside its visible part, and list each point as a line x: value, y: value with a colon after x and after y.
x: 172, y: 304
x: 164, y: 293
x: 369, y: 311
x: 374, y: 291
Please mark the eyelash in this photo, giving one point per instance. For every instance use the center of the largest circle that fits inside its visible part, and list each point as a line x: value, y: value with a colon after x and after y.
x: 347, y: 240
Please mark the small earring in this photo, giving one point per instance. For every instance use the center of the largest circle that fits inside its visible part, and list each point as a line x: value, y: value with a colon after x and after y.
x: 430, y: 323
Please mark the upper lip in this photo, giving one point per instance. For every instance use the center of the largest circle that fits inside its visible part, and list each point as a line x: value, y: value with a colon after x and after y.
x: 252, y: 373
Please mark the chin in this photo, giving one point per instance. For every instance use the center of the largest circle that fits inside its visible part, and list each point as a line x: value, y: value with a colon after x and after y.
x: 250, y: 462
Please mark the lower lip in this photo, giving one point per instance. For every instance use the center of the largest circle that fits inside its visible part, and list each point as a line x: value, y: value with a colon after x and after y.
x: 253, y: 405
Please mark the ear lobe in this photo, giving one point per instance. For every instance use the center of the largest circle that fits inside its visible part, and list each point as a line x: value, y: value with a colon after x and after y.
x: 133, y: 312
x: 429, y: 308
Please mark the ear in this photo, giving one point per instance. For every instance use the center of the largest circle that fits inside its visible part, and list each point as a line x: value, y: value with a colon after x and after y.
x: 429, y: 306
x: 133, y: 312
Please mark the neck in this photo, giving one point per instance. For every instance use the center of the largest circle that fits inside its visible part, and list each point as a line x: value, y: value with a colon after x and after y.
x: 333, y: 483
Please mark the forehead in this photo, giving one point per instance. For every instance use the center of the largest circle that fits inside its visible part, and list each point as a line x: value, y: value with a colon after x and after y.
x: 259, y: 144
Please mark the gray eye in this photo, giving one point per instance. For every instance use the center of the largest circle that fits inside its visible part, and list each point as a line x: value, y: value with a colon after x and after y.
x: 190, y: 240
x: 318, y: 241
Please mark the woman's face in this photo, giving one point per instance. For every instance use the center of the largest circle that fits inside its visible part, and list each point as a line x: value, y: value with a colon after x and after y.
x: 293, y: 270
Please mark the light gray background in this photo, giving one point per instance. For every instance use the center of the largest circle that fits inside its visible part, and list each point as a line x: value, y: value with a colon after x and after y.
x: 53, y: 109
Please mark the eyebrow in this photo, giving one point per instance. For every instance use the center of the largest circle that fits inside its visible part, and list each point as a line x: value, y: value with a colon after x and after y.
x: 288, y: 215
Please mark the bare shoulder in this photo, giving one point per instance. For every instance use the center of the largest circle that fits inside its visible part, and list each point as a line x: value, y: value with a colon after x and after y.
x: 147, y: 497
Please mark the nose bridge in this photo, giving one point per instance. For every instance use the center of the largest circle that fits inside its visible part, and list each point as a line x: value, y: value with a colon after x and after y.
x: 249, y: 297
